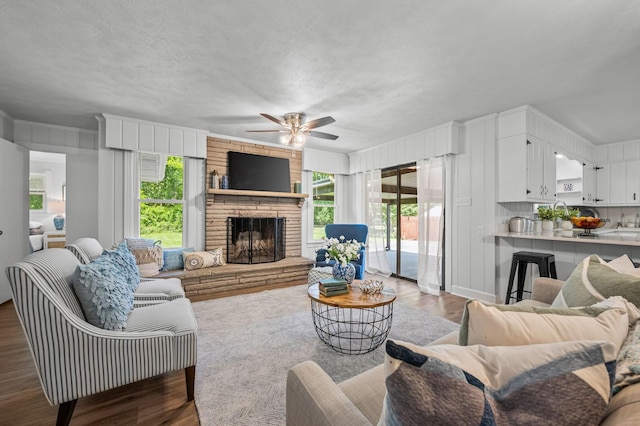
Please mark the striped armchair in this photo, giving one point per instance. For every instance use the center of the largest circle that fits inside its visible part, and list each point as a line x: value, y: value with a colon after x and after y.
x: 75, y: 359
x: 150, y: 291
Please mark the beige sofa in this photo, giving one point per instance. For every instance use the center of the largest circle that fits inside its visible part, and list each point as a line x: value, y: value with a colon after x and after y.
x: 314, y: 399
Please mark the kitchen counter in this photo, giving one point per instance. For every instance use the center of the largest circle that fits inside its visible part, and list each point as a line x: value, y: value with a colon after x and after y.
x: 610, y: 236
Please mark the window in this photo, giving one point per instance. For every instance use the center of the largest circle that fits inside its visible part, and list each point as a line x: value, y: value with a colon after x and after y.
x: 161, y: 198
x: 37, y: 191
x: 323, y: 191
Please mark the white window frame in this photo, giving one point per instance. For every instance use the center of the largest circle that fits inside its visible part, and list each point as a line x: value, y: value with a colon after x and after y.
x: 43, y: 191
x: 312, y: 204
x: 139, y: 200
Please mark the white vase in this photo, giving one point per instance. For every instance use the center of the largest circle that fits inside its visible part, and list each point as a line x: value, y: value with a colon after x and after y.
x: 547, y: 225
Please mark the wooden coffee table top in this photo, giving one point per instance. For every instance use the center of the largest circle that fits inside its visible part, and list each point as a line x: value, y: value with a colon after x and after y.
x: 354, y: 299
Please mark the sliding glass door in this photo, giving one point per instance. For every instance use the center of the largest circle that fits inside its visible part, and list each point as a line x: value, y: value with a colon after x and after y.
x: 400, y: 213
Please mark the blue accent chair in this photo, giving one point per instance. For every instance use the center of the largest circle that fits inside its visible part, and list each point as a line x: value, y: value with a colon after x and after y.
x: 356, y: 232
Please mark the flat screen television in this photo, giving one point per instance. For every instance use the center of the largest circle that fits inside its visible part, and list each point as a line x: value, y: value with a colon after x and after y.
x: 258, y: 172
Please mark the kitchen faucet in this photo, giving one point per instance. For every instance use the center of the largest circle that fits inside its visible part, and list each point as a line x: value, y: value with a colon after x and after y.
x: 566, y: 209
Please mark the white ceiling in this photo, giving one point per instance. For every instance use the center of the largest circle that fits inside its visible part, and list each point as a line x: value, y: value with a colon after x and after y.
x: 382, y: 69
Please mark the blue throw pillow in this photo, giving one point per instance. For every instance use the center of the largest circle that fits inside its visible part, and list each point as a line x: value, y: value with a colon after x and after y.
x: 104, y: 293
x: 124, y: 259
x: 173, y: 258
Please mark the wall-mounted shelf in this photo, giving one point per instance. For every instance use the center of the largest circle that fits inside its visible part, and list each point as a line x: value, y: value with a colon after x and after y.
x: 269, y: 194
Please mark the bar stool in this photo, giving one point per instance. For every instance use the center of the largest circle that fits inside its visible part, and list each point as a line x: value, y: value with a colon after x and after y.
x: 546, y: 266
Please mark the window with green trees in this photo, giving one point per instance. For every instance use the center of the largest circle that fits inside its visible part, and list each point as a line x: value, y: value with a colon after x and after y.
x: 161, y: 198
x: 37, y: 191
x: 323, y: 188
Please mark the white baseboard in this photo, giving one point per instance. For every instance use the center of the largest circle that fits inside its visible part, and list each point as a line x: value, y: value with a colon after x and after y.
x: 474, y: 294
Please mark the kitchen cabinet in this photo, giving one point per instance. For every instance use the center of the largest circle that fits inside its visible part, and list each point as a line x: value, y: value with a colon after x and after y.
x: 589, y: 189
x: 611, y: 185
x: 603, y: 181
x: 618, y: 184
x: 632, y: 182
x: 526, y: 169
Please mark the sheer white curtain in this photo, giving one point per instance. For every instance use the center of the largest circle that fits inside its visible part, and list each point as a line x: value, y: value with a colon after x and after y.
x: 377, y: 262
x: 431, y: 192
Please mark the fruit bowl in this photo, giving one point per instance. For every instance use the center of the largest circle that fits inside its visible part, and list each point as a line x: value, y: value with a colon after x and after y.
x: 587, y: 222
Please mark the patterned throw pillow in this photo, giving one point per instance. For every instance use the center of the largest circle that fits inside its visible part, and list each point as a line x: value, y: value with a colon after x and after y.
x: 125, y: 260
x: 147, y: 260
x: 173, y: 258
x: 104, y: 293
x: 203, y: 259
x: 592, y: 281
x: 504, y: 385
x: 509, y: 325
x: 142, y: 243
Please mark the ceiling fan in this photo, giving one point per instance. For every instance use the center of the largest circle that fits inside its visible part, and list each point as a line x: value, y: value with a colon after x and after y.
x: 298, y: 128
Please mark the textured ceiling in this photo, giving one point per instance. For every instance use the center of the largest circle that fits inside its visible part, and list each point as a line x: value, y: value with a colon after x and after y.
x: 382, y: 69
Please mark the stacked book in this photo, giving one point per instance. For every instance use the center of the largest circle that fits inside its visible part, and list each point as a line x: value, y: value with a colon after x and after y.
x: 332, y: 287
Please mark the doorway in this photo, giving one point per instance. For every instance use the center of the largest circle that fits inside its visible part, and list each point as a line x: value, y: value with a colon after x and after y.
x: 47, y: 200
x: 400, y: 204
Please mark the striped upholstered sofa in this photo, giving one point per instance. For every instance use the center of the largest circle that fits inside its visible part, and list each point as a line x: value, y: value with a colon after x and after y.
x: 74, y: 358
x: 150, y: 291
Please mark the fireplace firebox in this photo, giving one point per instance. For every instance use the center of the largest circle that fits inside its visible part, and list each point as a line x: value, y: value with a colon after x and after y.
x: 255, y: 239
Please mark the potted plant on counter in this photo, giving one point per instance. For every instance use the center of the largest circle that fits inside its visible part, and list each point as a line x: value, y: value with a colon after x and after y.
x: 566, y: 216
x: 547, y: 215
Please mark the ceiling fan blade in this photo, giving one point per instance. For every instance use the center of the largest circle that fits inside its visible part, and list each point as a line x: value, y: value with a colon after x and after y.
x: 323, y: 135
x: 265, y: 131
x: 319, y: 122
x: 272, y: 118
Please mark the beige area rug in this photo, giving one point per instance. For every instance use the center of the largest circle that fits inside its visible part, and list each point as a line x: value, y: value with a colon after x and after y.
x: 247, y: 343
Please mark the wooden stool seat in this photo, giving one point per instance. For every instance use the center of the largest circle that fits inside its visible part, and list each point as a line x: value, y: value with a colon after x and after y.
x: 546, y: 266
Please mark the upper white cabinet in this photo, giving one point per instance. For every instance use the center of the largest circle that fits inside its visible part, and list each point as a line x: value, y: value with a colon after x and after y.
x: 527, y: 144
x: 632, y: 182
x: 589, y: 189
x: 618, y: 184
x: 527, y: 169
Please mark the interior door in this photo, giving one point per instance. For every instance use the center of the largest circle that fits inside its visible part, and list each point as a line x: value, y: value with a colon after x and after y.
x: 14, y: 213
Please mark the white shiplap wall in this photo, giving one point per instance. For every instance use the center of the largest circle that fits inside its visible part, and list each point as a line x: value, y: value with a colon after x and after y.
x: 80, y: 147
x: 325, y: 161
x: 433, y: 142
x: 473, y: 179
x: 28, y: 132
x: 139, y: 135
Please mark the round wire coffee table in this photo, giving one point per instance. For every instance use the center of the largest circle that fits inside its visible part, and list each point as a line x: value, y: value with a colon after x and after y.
x: 353, y: 323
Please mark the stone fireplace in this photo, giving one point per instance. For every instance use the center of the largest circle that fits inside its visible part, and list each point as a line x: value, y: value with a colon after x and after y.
x: 255, y: 239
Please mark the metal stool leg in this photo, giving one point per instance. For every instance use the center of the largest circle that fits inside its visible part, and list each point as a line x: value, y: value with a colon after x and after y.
x: 552, y: 268
x: 512, y: 275
x: 522, y: 273
x: 543, y: 268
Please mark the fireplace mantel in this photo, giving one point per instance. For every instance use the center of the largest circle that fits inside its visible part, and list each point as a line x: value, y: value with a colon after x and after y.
x: 270, y: 194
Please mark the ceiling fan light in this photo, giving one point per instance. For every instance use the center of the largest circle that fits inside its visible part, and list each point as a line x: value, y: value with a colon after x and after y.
x: 285, y: 139
x: 298, y: 139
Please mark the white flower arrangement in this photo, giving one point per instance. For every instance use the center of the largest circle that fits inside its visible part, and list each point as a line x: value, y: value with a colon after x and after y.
x: 342, y: 250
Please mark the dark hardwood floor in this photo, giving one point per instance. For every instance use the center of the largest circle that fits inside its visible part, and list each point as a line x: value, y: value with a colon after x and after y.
x: 155, y: 401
